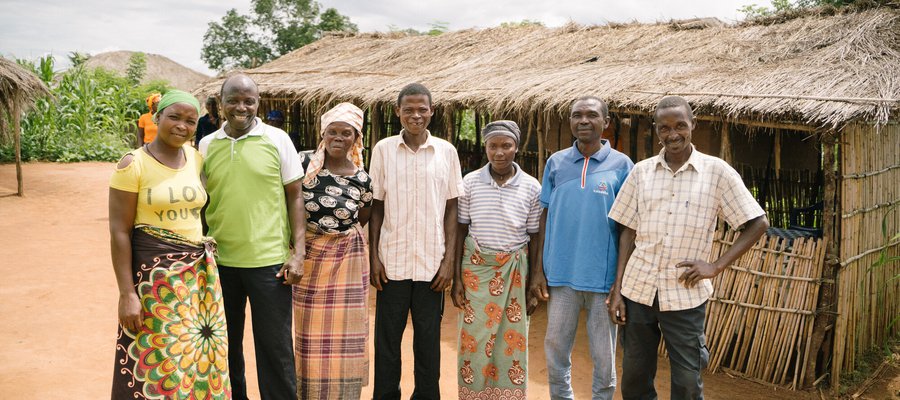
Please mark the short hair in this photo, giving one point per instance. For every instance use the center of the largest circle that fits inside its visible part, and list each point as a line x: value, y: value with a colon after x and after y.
x: 604, y: 109
x: 673, y: 102
x: 235, y: 77
x: 413, y: 89
x: 211, y: 100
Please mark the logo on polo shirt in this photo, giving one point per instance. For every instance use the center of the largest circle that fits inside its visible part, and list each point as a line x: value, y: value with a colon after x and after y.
x: 602, y: 188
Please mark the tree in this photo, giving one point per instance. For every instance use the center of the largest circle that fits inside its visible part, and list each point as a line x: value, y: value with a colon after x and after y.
x: 778, y: 6
x: 137, y: 66
x: 274, y: 28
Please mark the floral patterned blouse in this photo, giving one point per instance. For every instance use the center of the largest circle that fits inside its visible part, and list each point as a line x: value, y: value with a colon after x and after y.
x: 333, y: 201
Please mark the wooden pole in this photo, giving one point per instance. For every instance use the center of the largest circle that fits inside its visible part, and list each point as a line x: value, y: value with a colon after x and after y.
x: 827, y: 300
x: 725, y: 151
x: 17, y: 137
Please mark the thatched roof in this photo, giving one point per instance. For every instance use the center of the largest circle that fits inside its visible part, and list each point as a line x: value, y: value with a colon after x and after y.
x: 158, y: 67
x: 19, y: 88
x: 821, y: 70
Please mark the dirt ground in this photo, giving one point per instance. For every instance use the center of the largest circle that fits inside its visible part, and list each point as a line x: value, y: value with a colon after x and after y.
x: 58, y: 303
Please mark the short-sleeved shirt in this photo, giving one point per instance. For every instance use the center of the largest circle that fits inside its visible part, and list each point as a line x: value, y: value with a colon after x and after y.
x: 247, y: 211
x: 415, y: 187
x: 500, y: 217
x: 150, y: 128
x: 167, y: 198
x: 674, y: 215
x: 333, y: 201
x: 580, y: 242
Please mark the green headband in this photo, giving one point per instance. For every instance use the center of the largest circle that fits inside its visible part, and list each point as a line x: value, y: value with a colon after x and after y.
x: 176, y: 96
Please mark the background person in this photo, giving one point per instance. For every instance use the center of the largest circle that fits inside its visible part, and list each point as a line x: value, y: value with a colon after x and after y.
x: 331, y: 313
x: 172, y: 336
x: 146, y: 126
x: 208, y: 123
x: 499, y: 212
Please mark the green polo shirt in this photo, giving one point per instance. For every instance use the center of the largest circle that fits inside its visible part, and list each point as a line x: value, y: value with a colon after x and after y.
x: 247, y: 211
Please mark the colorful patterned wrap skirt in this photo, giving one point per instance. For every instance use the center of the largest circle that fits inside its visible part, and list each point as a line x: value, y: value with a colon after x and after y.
x: 181, y: 350
x: 493, y: 327
x: 331, y: 316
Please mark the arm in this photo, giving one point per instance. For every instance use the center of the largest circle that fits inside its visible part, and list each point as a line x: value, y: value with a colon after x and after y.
x: 535, y: 262
x: 697, y: 270
x: 377, y: 276
x: 140, y: 136
x: 445, y: 273
x: 122, y: 209
x: 616, y: 304
x: 537, y: 285
x: 292, y: 270
x: 365, y: 214
x: 458, y: 291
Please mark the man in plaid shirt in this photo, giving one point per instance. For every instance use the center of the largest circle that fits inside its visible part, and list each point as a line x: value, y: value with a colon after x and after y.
x: 666, y: 211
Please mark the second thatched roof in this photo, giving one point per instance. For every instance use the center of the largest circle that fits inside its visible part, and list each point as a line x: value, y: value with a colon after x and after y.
x: 19, y: 89
x: 822, y: 70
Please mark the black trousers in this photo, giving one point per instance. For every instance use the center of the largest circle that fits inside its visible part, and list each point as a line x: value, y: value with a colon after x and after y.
x: 392, y: 307
x: 271, y: 311
x: 685, y: 343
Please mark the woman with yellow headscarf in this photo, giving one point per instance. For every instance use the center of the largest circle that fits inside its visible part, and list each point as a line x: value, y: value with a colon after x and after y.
x: 330, y: 303
x: 147, y: 128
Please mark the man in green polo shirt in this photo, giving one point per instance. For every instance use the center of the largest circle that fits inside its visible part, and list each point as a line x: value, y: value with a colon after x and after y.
x: 256, y: 215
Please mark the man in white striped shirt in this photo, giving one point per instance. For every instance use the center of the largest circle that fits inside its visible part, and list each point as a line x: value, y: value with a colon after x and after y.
x: 416, y: 179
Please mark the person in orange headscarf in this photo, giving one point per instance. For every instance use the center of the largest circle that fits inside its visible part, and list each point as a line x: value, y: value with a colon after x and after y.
x: 146, y: 131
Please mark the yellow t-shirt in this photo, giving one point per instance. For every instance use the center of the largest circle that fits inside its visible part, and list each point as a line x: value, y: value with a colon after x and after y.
x: 150, y: 128
x: 167, y: 198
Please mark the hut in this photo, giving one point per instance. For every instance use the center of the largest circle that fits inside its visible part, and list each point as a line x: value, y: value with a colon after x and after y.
x: 18, y: 91
x: 158, y: 68
x: 806, y: 109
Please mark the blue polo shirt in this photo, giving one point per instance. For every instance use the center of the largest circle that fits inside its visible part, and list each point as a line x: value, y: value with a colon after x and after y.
x: 580, y: 241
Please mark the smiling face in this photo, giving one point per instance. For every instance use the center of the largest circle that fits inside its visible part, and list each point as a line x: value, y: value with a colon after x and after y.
x: 177, y: 124
x: 674, y: 128
x: 338, y: 138
x: 240, y: 100
x: 501, y: 152
x: 415, y: 113
x: 587, y: 120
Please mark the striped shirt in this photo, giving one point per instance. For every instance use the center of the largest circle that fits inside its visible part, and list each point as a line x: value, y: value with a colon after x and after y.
x: 674, y: 215
x: 500, y: 217
x: 415, y: 187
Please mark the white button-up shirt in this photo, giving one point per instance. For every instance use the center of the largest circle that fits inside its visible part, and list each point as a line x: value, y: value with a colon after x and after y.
x: 415, y: 187
x: 674, y: 215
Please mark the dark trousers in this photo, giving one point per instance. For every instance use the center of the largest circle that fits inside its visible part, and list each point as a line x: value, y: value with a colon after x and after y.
x: 271, y: 310
x: 392, y: 307
x: 685, y: 343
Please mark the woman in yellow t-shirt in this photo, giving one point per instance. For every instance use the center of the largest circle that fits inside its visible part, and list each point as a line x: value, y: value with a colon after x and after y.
x: 172, y: 337
x: 147, y: 128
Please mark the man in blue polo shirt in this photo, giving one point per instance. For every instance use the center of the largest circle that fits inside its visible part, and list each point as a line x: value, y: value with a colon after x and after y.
x: 580, y: 248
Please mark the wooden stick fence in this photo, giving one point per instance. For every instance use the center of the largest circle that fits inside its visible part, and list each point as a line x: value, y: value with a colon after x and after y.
x: 759, y: 321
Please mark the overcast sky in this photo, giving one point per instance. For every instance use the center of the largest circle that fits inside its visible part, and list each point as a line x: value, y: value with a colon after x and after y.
x: 175, y: 28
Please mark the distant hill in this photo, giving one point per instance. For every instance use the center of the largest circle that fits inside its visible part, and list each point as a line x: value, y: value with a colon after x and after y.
x: 158, y: 67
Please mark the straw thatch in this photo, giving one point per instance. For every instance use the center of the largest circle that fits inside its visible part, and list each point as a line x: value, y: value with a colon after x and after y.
x: 158, y: 68
x: 18, y: 91
x: 821, y: 70
x: 19, y: 88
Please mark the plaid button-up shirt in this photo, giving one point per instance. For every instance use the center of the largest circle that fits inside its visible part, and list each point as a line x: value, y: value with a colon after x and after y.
x: 674, y: 215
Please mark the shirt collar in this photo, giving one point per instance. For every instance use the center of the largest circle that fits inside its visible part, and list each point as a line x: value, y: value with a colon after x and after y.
x: 258, y: 130
x: 575, y: 155
x: 693, y: 161
x: 484, y: 176
x: 429, y: 141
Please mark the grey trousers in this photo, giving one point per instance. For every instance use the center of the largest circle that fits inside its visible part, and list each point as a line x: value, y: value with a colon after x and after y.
x: 685, y: 343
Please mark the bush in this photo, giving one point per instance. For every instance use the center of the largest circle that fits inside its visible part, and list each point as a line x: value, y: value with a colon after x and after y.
x: 91, y: 117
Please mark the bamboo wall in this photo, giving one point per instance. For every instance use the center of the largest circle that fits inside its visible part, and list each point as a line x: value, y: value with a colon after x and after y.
x: 869, y: 186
